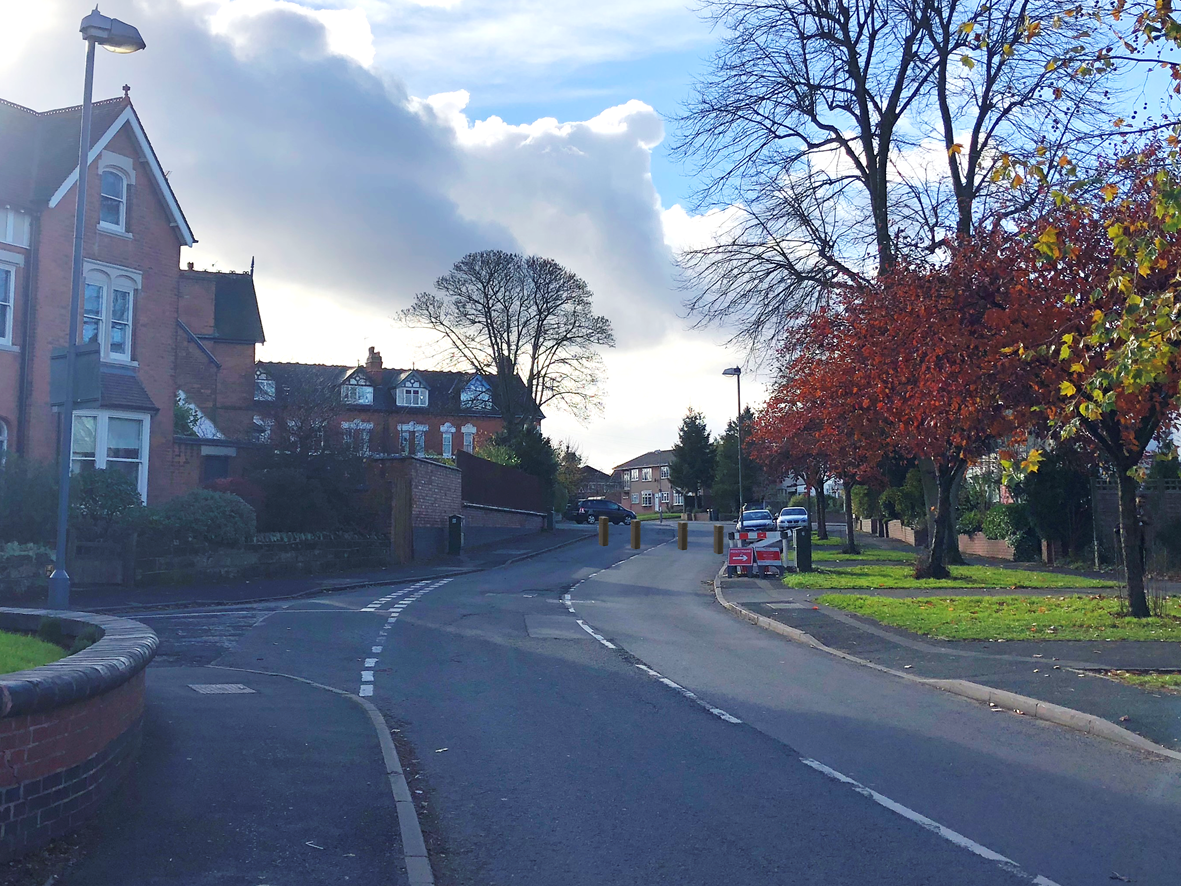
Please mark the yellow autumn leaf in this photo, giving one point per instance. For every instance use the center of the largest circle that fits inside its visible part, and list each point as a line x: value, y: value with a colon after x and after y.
x: 957, y: 148
x: 966, y: 27
x: 1109, y: 192
x: 1077, y: 367
x: 966, y: 61
x: 1066, y: 389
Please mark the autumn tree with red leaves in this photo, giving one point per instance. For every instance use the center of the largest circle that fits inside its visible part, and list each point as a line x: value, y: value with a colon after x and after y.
x: 928, y: 358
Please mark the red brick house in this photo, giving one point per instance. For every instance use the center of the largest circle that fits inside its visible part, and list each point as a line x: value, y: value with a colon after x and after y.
x: 371, y: 409
x: 158, y: 329
x: 646, y: 487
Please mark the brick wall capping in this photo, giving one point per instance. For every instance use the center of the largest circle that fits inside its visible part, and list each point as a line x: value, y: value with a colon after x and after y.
x: 468, y: 504
x: 430, y: 461
x: 124, y: 649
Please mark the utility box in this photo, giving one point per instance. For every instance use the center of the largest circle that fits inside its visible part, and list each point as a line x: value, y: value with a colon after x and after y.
x: 802, y: 551
x: 454, y: 535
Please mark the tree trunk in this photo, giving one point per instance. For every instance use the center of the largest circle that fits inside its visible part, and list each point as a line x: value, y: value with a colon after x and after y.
x: 1132, y: 544
x: 954, y: 557
x: 934, y: 565
x: 850, y: 542
x: 821, y: 512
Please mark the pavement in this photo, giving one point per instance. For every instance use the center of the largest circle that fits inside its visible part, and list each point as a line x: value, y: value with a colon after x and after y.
x: 106, y: 599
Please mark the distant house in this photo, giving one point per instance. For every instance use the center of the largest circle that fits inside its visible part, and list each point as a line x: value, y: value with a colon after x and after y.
x: 644, y: 483
x: 594, y: 483
x: 372, y: 409
x: 157, y: 329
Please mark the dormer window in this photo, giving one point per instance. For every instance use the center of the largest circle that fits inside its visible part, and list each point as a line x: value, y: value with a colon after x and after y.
x: 264, y: 386
x: 412, y: 393
x: 357, y: 391
x: 113, y: 200
x: 476, y: 395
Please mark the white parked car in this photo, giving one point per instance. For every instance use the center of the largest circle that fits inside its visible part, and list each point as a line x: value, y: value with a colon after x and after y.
x: 752, y: 521
x: 793, y: 518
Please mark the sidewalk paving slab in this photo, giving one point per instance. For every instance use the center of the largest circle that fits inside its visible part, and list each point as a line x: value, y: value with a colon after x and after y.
x: 285, y: 784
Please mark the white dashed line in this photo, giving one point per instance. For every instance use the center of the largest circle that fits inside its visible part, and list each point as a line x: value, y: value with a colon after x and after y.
x: 419, y: 588
x: 370, y: 662
x: 582, y: 624
x: 918, y: 818
x: 366, y: 691
x: 377, y: 649
x: 366, y: 676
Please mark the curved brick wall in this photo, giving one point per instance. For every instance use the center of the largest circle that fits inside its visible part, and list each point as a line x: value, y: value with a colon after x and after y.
x: 69, y: 730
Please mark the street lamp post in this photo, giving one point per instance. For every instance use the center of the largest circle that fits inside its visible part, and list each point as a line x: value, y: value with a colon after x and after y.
x: 116, y: 36
x: 736, y: 371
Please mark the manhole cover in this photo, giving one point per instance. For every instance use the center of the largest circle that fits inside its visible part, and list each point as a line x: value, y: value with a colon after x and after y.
x: 220, y: 688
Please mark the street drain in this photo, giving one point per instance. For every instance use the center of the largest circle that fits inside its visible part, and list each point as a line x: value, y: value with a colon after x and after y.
x: 220, y: 688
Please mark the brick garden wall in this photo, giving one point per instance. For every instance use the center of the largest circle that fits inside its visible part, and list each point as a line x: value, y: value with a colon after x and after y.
x: 69, y: 731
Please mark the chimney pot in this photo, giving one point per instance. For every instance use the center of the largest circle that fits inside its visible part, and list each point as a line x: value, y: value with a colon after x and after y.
x: 190, y: 266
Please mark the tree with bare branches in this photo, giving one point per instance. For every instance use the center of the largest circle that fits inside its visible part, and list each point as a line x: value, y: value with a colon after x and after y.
x: 515, y: 319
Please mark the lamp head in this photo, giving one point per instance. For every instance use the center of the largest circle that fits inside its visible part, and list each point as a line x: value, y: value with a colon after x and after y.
x: 733, y: 370
x: 110, y: 33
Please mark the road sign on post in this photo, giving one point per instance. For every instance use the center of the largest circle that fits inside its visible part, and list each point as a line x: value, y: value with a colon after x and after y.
x: 603, y: 531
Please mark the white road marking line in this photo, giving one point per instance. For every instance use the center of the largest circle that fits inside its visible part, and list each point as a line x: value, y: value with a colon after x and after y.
x: 370, y: 662
x: 366, y: 676
x: 582, y: 624
x: 365, y: 691
x: 918, y: 818
x: 377, y: 649
x: 692, y: 696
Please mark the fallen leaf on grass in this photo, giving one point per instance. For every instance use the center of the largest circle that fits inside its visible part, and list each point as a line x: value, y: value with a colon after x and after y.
x: 1125, y: 718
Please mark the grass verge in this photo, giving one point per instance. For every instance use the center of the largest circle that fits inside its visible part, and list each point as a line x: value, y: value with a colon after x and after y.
x: 19, y: 651
x: 1074, y: 617
x: 856, y: 577
x: 1164, y: 682
x: 644, y: 518
x: 867, y: 555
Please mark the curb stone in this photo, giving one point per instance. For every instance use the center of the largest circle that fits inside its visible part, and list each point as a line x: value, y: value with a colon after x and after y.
x: 1080, y: 721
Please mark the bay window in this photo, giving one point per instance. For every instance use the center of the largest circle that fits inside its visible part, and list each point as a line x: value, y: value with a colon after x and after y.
x: 115, y: 441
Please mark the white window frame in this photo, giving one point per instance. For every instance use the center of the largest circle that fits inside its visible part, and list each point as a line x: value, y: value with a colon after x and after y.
x: 635, y: 475
x: 119, y: 227
x: 111, y: 279
x: 8, y: 300
x: 357, y: 435
x: 469, y: 437
x: 356, y: 391
x: 421, y: 393
x: 646, y: 475
x: 448, y: 431
x: 3, y: 440
x: 12, y: 233
x: 646, y: 498
x: 678, y: 497
x: 412, y: 439
x: 635, y: 498
x: 263, y: 378
x: 102, y: 419
x: 664, y: 474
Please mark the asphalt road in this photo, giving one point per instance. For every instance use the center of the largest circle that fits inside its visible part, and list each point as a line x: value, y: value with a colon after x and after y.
x: 538, y: 754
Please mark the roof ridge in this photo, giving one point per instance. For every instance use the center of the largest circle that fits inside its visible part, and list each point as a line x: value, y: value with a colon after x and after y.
x: 53, y: 111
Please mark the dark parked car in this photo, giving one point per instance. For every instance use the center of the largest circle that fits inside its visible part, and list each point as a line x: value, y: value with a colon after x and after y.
x: 591, y: 509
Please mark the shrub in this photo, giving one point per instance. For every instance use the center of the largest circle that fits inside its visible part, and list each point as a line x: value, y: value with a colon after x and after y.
x: 28, y: 501
x: 248, y: 491
x: 52, y: 630
x: 200, y: 518
x: 89, y: 636
x: 13, y: 556
x: 1012, y: 523
x: 906, y: 502
x: 969, y: 523
x: 100, y: 498
x: 865, y: 502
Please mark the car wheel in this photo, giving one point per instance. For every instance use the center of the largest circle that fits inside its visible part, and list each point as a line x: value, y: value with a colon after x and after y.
x: 627, y: 521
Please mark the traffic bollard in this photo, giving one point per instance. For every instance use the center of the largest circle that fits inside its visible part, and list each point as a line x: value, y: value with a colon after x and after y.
x: 603, y: 531
x: 635, y: 535
x: 682, y: 536
x: 718, y: 539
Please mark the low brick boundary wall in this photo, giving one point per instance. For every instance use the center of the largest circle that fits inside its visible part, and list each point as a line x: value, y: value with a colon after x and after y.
x: 483, y: 524
x: 977, y: 544
x: 69, y: 730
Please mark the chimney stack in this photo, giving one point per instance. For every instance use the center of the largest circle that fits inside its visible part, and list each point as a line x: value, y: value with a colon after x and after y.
x: 190, y: 266
x: 373, y: 361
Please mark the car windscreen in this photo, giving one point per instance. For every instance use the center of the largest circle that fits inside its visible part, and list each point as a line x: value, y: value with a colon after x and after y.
x: 756, y: 515
x: 794, y: 512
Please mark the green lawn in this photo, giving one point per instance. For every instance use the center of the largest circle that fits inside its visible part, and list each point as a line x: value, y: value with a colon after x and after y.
x: 667, y: 516
x: 826, y: 555
x: 1166, y: 682
x: 19, y: 651
x: 1074, y: 617
x: 856, y: 577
